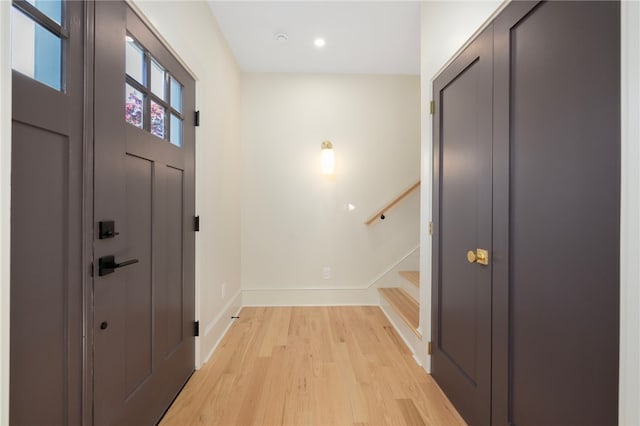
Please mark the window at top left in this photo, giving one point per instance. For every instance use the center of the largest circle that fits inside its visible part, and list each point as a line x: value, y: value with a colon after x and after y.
x: 37, y: 38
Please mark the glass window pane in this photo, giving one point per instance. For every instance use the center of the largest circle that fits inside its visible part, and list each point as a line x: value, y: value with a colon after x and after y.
x: 135, y: 61
x: 157, y: 120
x: 35, y: 51
x: 51, y: 8
x: 157, y: 80
x: 134, y: 106
x: 176, y: 130
x: 176, y: 95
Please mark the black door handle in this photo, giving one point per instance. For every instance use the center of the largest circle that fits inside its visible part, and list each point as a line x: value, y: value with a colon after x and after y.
x: 107, y: 264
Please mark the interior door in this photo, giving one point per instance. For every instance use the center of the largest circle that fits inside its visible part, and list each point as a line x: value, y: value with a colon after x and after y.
x: 461, y: 360
x: 46, y: 213
x: 144, y: 208
x: 557, y: 209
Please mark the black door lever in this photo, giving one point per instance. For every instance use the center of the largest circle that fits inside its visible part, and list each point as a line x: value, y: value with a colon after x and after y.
x: 107, y: 264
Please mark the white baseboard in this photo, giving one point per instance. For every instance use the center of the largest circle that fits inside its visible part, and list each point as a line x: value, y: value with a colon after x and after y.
x: 218, y: 327
x: 310, y: 297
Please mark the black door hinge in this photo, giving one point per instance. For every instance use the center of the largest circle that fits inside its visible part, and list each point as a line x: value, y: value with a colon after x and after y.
x: 196, y: 118
x: 196, y: 328
x: 196, y: 223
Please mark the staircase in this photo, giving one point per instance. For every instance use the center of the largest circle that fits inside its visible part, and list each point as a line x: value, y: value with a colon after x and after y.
x: 404, y: 301
x: 399, y: 297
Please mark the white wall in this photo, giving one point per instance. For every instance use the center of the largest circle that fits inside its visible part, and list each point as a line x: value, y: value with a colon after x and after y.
x: 445, y: 27
x: 191, y: 30
x: 5, y: 194
x: 630, y: 227
x: 294, y: 220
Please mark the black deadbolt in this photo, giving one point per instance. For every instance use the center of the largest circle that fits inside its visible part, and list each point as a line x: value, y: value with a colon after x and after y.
x: 104, y: 325
x: 107, y: 229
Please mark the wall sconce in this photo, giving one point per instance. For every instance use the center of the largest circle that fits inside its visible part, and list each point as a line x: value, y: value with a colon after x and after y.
x: 328, y: 158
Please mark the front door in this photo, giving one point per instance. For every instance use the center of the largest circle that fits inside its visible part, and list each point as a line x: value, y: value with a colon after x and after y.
x: 144, y: 206
x: 461, y: 362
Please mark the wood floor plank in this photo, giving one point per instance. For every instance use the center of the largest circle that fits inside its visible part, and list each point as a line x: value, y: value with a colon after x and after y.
x: 311, y: 366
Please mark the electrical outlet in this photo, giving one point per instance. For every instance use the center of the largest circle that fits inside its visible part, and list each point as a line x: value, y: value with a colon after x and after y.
x: 223, y: 290
x: 326, y: 273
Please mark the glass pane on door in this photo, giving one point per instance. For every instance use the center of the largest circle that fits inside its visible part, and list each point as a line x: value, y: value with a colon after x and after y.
x: 157, y: 120
x: 157, y: 80
x: 135, y: 61
x: 176, y: 130
x: 35, y: 51
x: 176, y: 95
x: 134, y: 106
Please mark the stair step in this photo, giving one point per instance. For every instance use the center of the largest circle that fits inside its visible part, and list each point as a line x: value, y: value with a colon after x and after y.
x: 405, y: 305
x: 412, y: 276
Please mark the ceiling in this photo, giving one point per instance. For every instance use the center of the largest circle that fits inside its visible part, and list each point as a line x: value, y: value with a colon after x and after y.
x: 361, y: 37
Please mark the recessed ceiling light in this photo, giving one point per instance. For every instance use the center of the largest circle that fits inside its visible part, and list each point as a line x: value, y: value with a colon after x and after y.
x: 319, y: 42
x: 281, y: 37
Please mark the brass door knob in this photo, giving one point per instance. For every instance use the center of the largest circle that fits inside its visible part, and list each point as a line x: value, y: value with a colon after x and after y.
x: 480, y: 256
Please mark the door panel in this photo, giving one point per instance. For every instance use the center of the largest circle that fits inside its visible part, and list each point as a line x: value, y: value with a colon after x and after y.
x: 48, y: 153
x: 146, y: 185
x: 460, y: 172
x: 138, y: 280
x: 462, y: 219
x: 557, y: 83
x: 174, y: 260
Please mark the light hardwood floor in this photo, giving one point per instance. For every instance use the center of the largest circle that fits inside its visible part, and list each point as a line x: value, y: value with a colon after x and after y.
x: 311, y: 366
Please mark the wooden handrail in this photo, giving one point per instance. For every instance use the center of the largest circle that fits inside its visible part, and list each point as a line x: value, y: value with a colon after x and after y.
x: 392, y: 203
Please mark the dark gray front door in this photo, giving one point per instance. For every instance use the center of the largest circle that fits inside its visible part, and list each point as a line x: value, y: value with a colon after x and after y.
x: 461, y: 361
x: 144, y: 186
x: 46, y: 214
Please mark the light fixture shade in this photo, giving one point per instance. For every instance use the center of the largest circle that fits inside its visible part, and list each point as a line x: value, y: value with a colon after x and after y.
x: 328, y: 159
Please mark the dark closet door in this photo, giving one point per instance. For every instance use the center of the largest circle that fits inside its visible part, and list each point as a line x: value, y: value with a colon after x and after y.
x: 144, y: 208
x: 46, y: 214
x: 556, y: 241
x: 461, y: 362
